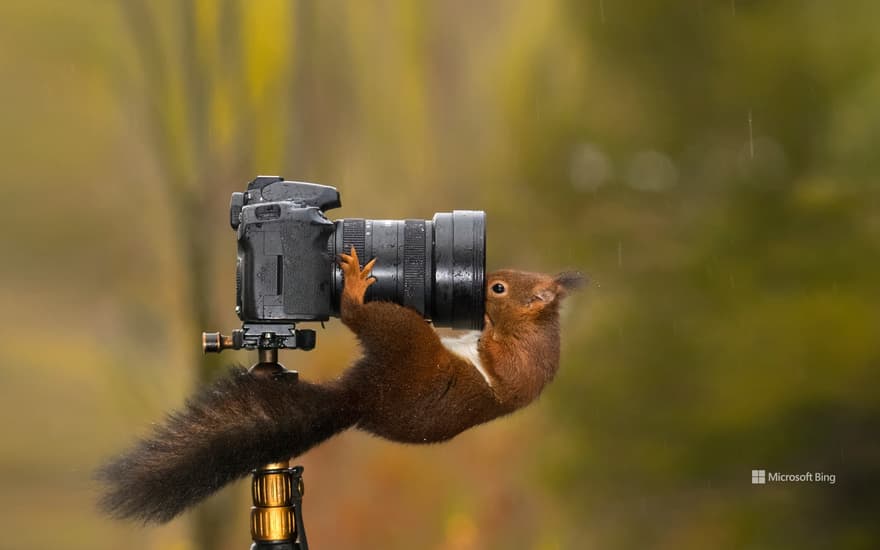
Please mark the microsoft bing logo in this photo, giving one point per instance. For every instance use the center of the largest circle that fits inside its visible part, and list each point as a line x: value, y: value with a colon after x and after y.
x: 762, y: 477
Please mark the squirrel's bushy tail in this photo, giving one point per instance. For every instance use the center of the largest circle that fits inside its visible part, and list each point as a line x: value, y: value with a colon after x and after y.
x: 225, y: 430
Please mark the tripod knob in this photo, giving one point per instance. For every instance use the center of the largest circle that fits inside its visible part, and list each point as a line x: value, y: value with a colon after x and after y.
x: 305, y: 339
x: 214, y: 342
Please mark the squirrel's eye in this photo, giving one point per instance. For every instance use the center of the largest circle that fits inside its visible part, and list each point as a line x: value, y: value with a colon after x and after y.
x: 498, y: 288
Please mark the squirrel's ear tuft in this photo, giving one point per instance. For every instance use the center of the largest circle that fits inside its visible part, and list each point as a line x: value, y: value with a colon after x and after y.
x: 570, y: 280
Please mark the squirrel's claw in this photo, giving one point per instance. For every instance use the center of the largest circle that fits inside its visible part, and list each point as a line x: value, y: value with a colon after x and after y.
x: 369, y: 267
x: 356, y: 279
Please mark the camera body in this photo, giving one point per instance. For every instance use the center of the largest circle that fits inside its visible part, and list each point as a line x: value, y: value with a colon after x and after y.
x: 284, y: 267
x: 286, y: 270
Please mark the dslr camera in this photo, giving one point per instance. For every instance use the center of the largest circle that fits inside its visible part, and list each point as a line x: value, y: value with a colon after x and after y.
x: 286, y: 272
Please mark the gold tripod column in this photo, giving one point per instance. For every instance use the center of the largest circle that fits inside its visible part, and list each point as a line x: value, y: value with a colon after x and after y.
x: 274, y: 498
x: 276, y: 488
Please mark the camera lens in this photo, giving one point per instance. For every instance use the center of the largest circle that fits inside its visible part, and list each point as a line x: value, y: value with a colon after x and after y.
x: 436, y: 267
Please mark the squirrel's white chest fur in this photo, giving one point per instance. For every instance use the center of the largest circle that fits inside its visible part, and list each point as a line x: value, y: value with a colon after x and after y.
x: 465, y: 346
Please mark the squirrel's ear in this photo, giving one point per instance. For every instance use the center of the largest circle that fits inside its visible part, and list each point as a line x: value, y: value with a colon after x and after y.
x: 544, y: 296
x: 568, y: 281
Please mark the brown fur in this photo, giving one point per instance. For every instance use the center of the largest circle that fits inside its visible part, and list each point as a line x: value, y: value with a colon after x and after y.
x: 407, y: 387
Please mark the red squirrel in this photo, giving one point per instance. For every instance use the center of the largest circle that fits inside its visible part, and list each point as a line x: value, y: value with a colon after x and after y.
x: 410, y: 386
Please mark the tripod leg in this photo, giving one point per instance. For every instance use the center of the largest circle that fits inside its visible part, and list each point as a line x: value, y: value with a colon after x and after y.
x: 276, y: 489
x: 276, y: 516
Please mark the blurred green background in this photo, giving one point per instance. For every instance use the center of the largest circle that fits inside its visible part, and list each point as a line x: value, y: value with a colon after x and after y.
x: 712, y: 165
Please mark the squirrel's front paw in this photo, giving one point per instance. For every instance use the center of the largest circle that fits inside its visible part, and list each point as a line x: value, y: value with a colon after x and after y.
x: 356, y: 279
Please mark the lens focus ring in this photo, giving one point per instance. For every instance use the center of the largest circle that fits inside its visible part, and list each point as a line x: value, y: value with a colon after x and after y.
x: 414, y: 264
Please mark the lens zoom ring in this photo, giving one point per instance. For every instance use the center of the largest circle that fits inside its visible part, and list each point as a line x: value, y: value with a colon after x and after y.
x: 354, y: 234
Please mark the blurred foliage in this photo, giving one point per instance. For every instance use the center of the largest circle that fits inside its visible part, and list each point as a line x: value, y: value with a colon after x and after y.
x: 709, y: 164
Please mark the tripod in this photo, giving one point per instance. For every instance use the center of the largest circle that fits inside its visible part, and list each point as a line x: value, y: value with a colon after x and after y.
x: 276, y: 489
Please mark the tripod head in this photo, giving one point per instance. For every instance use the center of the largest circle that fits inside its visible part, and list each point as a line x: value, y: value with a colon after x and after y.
x: 260, y: 336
